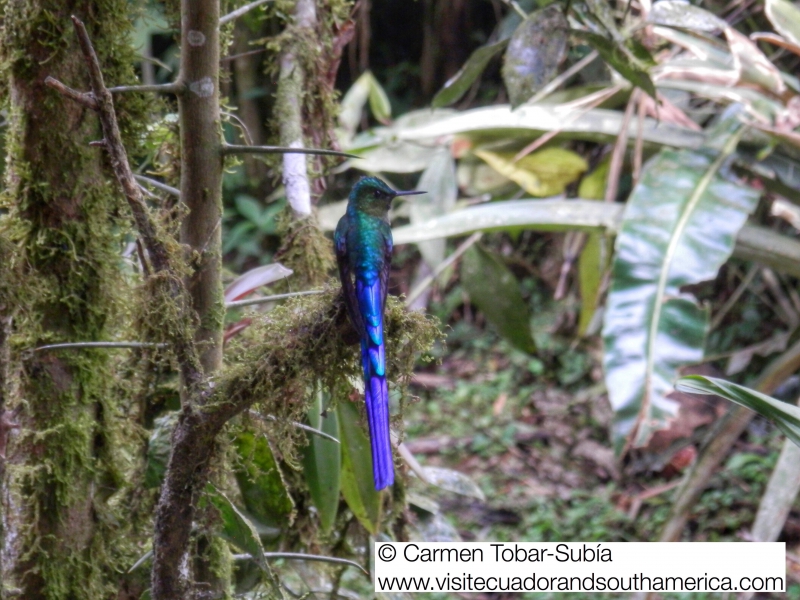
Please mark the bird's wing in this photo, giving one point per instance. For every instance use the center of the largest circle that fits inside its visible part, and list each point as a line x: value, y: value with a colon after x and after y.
x: 388, y: 244
x: 345, y: 275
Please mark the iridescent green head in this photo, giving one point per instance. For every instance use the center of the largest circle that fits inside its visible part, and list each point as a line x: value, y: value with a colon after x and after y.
x: 372, y: 196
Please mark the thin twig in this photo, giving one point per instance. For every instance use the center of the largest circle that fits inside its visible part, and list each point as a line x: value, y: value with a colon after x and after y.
x: 242, y: 10
x: 242, y: 55
x: 165, y: 88
x: 422, y: 285
x: 302, y: 426
x: 618, y: 155
x: 158, y: 185
x: 517, y: 8
x: 561, y: 79
x: 245, y: 131
x: 86, y: 100
x: 240, y: 149
x: 734, y: 299
x: 300, y: 556
x: 79, y: 345
x: 274, y: 298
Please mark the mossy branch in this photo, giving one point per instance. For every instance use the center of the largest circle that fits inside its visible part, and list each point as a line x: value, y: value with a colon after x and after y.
x: 157, y: 250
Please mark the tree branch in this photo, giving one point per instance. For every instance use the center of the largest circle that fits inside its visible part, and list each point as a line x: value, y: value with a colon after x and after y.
x: 240, y: 149
x: 235, y: 14
x: 289, y: 105
x: 165, y: 88
x: 158, y: 185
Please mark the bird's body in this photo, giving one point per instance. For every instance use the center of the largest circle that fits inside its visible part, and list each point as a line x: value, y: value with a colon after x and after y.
x: 363, y: 242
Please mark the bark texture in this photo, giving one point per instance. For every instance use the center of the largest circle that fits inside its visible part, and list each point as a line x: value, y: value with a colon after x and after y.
x: 62, y: 214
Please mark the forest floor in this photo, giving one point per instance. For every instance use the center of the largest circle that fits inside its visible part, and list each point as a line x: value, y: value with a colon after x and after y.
x: 534, y: 435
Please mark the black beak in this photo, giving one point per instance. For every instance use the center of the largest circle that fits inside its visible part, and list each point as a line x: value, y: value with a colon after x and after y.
x: 410, y: 193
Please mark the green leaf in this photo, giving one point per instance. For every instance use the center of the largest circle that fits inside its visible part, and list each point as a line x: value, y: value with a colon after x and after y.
x: 453, y: 481
x: 785, y: 416
x: 357, y: 482
x: 262, y: 487
x: 676, y: 13
x: 534, y: 53
x: 493, y: 288
x: 458, y: 84
x: 679, y: 227
x: 322, y: 464
x: 236, y: 527
x: 595, y: 256
x: 620, y: 59
x: 158, y: 449
x: 785, y: 18
x: 544, y: 173
x: 439, y: 180
x: 530, y: 121
x: 379, y: 103
x: 540, y: 215
x: 249, y: 208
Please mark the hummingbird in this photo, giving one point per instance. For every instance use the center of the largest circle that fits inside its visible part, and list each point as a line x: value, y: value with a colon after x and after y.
x: 363, y: 243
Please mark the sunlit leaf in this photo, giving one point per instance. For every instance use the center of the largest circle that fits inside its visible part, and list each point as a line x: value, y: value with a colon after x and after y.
x: 530, y: 121
x: 679, y: 227
x: 379, y: 103
x: 785, y: 18
x: 453, y: 481
x: 534, y: 53
x: 540, y: 215
x: 620, y: 60
x: 322, y: 464
x: 752, y: 65
x: 676, y: 13
x: 439, y: 180
x: 544, y: 173
x: 255, y: 278
x: 263, y: 490
x: 475, y: 177
x: 493, y: 288
x: 458, y: 84
x: 784, y: 415
x: 357, y: 483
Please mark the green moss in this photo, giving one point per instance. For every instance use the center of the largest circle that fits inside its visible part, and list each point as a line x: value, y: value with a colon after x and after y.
x: 63, y: 225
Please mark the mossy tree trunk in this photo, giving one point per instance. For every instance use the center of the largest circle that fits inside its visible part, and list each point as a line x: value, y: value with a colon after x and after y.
x: 62, y: 222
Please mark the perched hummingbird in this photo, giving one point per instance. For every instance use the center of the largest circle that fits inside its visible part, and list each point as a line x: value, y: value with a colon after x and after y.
x: 363, y: 242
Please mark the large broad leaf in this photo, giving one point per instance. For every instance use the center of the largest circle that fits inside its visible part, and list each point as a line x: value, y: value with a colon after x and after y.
x: 785, y: 18
x: 679, y: 227
x: 357, y: 483
x: 439, y: 181
x: 530, y: 121
x: 495, y: 291
x: 544, y: 173
x: 322, y: 464
x: 458, y: 84
x: 534, y: 53
x: 542, y: 215
x: 262, y: 487
x: 785, y: 416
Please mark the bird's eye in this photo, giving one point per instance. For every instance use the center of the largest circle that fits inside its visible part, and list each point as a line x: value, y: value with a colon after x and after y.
x: 378, y: 194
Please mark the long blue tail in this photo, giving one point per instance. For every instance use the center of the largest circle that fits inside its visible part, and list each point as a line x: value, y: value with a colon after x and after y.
x: 376, y: 391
